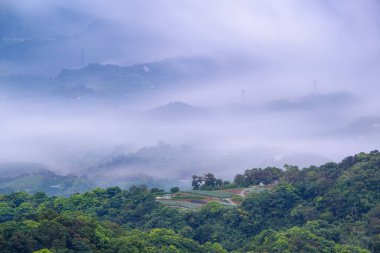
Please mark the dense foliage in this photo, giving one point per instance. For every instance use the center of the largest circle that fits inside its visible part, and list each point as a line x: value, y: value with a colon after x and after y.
x: 208, y: 182
x: 331, y: 208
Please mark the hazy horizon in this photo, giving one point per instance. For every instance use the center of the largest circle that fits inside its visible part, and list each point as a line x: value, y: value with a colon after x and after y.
x: 226, y: 85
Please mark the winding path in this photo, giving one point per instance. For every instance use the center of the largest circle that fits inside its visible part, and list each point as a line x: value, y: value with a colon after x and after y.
x: 230, y: 201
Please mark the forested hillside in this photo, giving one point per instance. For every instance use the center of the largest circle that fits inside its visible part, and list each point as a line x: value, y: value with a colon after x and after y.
x: 331, y: 208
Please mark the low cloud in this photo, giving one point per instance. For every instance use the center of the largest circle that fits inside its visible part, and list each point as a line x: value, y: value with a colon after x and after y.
x: 282, y: 77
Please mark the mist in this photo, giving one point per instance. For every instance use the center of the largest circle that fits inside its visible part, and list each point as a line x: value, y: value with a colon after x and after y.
x: 168, y: 89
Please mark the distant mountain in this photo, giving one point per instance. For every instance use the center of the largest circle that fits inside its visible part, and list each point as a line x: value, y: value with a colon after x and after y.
x: 134, y: 82
x: 313, y: 101
x: 31, y: 46
x: 16, y: 169
x: 175, y: 110
x: 154, y: 160
x: 145, y: 77
x: 181, y: 162
x: 32, y: 178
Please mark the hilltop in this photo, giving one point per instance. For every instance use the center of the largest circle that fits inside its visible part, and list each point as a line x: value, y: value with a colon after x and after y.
x: 330, y: 208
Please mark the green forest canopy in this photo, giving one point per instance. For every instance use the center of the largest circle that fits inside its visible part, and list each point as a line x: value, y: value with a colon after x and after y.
x: 331, y: 208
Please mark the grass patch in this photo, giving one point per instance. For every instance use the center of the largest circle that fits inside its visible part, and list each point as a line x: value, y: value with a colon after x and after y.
x: 214, y: 194
x: 183, y: 204
x: 180, y: 197
x: 237, y: 198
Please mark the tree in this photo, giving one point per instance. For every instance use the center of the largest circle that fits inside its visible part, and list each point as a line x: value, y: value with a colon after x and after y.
x: 156, y: 190
x: 292, y: 173
x: 197, y: 182
x: 174, y: 190
x: 240, y: 180
x: 295, y: 240
x: 43, y: 251
x: 209, y: 180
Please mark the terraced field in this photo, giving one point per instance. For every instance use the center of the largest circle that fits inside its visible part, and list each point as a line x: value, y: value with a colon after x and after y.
x: 197, y: 198
x: 213, y: 194
x: 183, y: 204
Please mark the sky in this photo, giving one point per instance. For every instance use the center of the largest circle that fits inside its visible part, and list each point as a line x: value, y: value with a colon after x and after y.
x: 313, y: 33
x: 293, y: 41
x: 309, y: 71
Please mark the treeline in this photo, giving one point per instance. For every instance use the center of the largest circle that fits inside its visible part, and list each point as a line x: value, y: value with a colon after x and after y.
x: 208, y: 182
x: 102, y: 220
x: 257, y: 176
x: 331, y: 208
x: 250, y: 177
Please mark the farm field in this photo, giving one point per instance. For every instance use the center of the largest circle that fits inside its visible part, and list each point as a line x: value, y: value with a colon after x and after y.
x: 180, y: 204
x: 214, y: 194
x: 194, y: 199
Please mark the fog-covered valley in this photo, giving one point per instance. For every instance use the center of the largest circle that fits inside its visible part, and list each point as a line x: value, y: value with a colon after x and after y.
x: 112, y: 137
x: 124, y: 99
